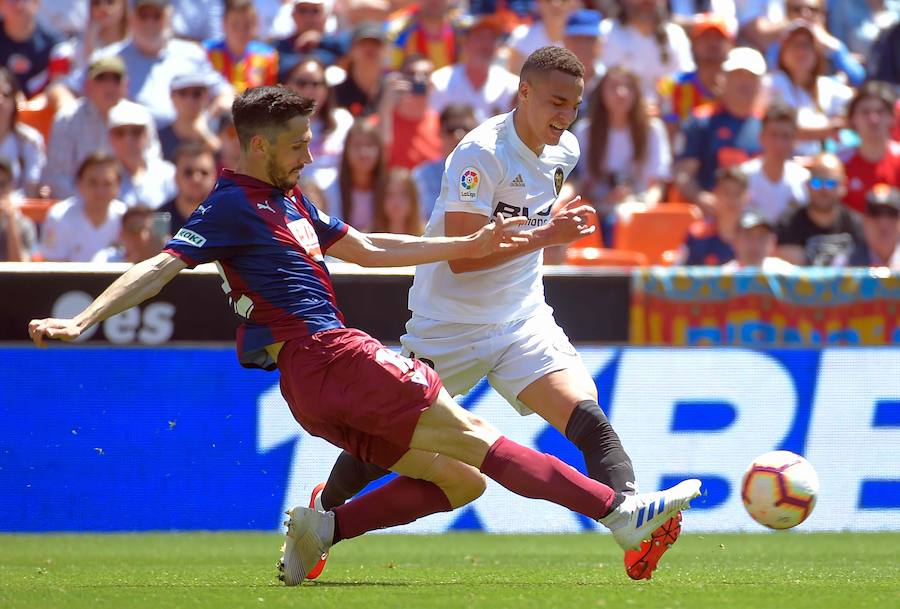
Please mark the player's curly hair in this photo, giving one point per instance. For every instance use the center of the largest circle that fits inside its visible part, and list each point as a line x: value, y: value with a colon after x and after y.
x: 547, y: 59
x: 263, y: 110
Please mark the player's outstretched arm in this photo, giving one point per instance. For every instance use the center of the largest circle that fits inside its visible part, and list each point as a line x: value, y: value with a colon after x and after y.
x: 384, y: 249
x: 568, y: 223
x: 137, y: 284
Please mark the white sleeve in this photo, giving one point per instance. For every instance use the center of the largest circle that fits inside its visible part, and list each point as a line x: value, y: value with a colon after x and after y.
x: 681, y: 47
x: 33, y: 155
x: 473, y: 172
x: 53, y: 246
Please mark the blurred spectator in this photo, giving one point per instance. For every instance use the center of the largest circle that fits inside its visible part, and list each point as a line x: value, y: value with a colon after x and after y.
x: 776, y: 182
x: 489, y: 88
x: 243, y: 61
x: 140, y: 237
x: 230, y: 146
x: 107, y: 24
x: 360, y: 90
x: 355, y: 12
x: 26, y: 45
x: 860, y: 23
x: 408, y: 124
x: 877, y: 159
x: 80, y: 226
x: 760, y: 21
x: 681, y: 94
x: 17, y: 233
x: 309, y: 35
x: 801, y: 82
x: 884, y: 61
x: 582, y: 37
x: 329, y: 124
x: 80, y: 127
x: 709, y: 241
x: 754, y: 246
x: 195, y: 177
x: 197, y: 20
x: 427, y: 30
x: 313, y: 193
x: 145, y: 180
x: 152, y: 58
x: 456, y: 121
x: 548, y: 29
x: 626, y: 150
x: 823, y: 232
x: 361, y: 179
x: 727, y: 134
x: 881, y: 229
x: 68, y: 18
x: 399, y: 212
x: 643, y: 39
x: 688, y: 13
x: 190, y: 97
x: 19, y: 142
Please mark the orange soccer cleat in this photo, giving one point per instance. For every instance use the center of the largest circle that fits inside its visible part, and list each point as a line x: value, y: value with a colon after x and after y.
x: 320, y: 566
x: 640, y: 564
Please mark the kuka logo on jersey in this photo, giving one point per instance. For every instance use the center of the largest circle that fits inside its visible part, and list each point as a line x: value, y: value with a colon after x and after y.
x: 468, y: 184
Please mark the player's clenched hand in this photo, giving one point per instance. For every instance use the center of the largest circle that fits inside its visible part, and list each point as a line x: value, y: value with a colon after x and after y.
x: 571, y: 221
x: 499, y: 235
x: 57, y: 329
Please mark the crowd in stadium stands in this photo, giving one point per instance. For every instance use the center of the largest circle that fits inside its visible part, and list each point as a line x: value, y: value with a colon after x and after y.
x: 755, y: 132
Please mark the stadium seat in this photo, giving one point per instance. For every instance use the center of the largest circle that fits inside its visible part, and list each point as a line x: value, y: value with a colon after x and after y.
x: 36, y: 209
x: 655, y: 231
x: 599, y: 256
x: 37, y: 113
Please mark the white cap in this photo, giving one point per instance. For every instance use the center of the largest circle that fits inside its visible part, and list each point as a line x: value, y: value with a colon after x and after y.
x: 129, y: 113
x: 194, y: 78
x: 745, y: 58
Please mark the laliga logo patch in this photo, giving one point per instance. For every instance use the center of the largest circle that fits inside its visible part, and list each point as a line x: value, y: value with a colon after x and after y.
x: 468, y: 184
x: 558, y: 179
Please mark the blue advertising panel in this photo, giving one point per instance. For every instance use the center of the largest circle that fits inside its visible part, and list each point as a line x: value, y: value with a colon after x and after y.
x: 109, y: 439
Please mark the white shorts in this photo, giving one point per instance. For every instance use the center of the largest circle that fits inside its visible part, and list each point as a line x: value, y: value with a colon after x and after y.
x: 511, y: 355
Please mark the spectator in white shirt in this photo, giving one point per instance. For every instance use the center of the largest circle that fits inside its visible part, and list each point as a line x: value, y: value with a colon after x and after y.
x: 141, y: 237
x: 548, y: 30
x: 776, y: 182
x: 146, y: 180
x: 80, y: 226
x: 489, y: 88
x: 643, y: 40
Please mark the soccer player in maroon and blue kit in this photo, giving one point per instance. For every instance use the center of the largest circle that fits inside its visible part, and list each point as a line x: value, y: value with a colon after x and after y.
x: 268, y: 241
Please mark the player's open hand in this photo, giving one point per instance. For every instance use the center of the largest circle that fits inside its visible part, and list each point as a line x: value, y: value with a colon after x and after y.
x: 55, y: 329
x: 571, y: 221
x: 499, y: 235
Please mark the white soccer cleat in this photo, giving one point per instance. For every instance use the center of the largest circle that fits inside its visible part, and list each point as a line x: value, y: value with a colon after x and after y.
x: 309, y: 535
x: 635, y: 519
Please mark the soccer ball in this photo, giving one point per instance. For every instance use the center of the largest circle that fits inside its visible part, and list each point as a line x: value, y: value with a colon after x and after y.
x: 779, y: 489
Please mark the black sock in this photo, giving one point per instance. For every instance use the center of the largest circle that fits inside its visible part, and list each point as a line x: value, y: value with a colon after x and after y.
x: 348, y: 476
x: 605, y: 459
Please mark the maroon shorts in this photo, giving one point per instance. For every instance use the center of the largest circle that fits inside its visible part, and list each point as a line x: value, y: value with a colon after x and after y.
x: 346, y: 387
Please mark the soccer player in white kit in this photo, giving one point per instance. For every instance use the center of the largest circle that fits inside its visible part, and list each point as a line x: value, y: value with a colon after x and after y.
x: 488, y: 317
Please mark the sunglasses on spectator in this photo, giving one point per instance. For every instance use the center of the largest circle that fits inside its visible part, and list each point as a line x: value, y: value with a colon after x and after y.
x: 148, y: 14
x: 195, y: 92
x: 108, y: 77
x: 302, y: 82
x: 883, y: 211
x: 817, y: 183
x: 190, y: 172
x: 129, y: 131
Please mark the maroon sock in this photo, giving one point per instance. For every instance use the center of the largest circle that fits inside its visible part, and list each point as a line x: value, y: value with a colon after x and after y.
x: 400, y: 501
x: 541, y: 476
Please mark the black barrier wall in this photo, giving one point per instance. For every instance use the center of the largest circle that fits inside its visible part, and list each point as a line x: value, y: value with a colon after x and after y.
x: 592, y: 306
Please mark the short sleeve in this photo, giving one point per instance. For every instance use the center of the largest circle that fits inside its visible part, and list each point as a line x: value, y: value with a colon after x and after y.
x: 53, y: 246
x: 329, y: 230
x: 213, y: 232
x: 473, y: 172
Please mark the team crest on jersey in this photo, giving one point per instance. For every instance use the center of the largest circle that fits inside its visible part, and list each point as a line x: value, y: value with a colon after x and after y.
x: 468, y: 184
x: 558, y: 179
x: 306, y: 235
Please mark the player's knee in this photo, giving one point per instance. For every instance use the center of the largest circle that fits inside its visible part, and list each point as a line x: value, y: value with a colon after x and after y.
x: 482, y: 429
x: 462, y: 483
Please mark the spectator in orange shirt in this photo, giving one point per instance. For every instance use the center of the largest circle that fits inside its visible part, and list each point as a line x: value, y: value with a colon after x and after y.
x: 243, y: 61
x: 411, y: 128
x: 877, y: 159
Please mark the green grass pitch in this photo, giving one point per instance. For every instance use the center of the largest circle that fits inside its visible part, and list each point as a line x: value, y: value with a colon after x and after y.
x: 469, y: 570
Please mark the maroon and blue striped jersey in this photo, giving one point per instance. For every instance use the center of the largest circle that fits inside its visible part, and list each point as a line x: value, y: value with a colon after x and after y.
x: 269, y: 247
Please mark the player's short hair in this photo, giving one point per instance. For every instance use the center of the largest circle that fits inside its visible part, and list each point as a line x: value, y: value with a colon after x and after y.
x: 192, y: 149
x: 239, y: 5
x: 264, y: 110
x: 99, y: 157
x: 778, y: 111
x: 734, y: 174
x: 875, y: 89
x: 547, y: 59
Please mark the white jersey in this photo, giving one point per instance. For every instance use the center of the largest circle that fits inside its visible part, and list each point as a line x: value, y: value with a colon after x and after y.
x: 491, y: 171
